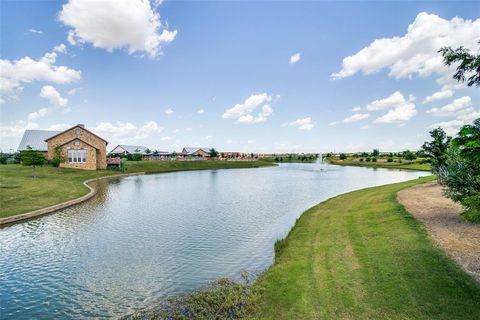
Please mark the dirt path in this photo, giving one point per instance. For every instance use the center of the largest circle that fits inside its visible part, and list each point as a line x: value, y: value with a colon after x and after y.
x: 460, y: 239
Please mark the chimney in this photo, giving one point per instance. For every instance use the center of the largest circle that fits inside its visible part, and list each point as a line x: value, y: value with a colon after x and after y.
x: 81, y: 125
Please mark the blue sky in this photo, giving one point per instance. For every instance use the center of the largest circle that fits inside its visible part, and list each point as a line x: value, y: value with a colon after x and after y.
x: 247, y: 76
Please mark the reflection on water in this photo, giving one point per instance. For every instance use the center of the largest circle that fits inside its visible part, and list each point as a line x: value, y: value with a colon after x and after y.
x: 144, y: 237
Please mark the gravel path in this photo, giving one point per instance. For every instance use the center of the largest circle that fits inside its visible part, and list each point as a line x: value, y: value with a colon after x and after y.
x: 460, y: 239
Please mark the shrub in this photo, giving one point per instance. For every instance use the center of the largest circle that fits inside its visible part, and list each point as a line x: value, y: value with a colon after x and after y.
x: 409, y: 155
x: 343, y: 156
x: 134, y: 157
x: 437, y: 148
x: 461, y: 172
x: 390, y: 159
x: 376, y: 152
x: 374, y: 159
x: 222, y: 299
x: 3, y: 158
x: 368, y: 159
x: 361, y: 159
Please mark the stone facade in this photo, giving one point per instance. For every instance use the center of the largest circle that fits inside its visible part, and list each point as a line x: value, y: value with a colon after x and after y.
x: 78, y: 138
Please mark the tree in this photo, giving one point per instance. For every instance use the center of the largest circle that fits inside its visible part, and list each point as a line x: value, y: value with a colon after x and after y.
x: 461, y: 172
x: 437, y: 148
x: 468, y: 141
x: 148, y: 151
x: 123, y: 165
x: 213, y: 153
x: 469, y: 67
x: 3, y: 158
x: 136, y: 156
x: 343, y: 156
x: 32, y: 158
x: 376, y: 152
x: 409, y: 155
x: 58, y: 158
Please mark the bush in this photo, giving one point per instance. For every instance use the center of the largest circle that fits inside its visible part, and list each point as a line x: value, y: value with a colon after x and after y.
x: 368, y: 159
x: 408, y: 155
x: 3, y: 158
x: 222, y: 299
x: 343, y: 156
x: 390, y: 159
x: 134, y: 157
x: 461, y: 172
x: 374, y: 159
x: 361, y: 159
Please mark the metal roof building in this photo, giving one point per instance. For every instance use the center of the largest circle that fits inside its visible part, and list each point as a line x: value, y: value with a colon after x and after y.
x: 128, y: 149
x: 36, y: 139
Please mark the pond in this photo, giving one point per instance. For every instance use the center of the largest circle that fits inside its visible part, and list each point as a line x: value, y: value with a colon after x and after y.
x: 142, y: 238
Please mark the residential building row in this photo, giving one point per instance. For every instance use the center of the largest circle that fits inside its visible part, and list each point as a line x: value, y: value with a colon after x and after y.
x: 83, y: 149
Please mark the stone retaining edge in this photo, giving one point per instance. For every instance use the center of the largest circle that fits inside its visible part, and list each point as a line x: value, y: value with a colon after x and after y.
x: 63, y: 205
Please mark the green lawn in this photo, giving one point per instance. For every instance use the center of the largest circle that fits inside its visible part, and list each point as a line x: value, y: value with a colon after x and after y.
x: 362, y: 256
x: 20, y: 193
x: 383, y: 164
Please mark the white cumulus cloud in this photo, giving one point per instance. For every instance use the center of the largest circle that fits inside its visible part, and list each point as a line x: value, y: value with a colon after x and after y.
x: 392, y: 100
x: 112, y: 24
x: 439, y: 95
x: 356, y: 117
x: 453, y: 108
x: 295, y: 58
x: 127, y: 130
x: 201, y: 111
x: 37, y: 114
x: 452, y: 127
x: 168, y: 111
x: 416, y: 52
x: 52, y: 95
x: 398, y: 115
x: 61, y: 48
x: 303, y: 124
x: 244, y: 112
x: 14, y: 74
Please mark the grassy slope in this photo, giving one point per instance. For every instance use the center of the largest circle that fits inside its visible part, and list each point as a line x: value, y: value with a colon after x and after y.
x: 20, y: 193
x: 362, y: 256
x: 389, y: 165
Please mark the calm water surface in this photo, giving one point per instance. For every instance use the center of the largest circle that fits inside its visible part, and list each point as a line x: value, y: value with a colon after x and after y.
x: 145, y: 237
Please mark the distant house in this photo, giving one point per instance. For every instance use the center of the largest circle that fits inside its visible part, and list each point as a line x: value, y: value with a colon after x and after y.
x: 196, y: 152
x: 124, y: 150
x: 81, y: 148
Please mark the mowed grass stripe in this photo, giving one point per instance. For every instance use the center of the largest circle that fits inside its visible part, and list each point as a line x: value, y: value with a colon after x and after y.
x: 362, y: 256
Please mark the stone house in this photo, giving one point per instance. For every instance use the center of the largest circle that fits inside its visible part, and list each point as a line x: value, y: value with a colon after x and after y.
x: 81, y: 148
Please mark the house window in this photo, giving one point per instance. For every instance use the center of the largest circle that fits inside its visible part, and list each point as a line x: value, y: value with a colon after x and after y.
x: 77, y: 156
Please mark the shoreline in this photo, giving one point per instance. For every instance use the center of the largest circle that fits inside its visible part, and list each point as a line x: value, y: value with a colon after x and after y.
x: 377, y: 165
x: 16, y: 218
x: 329, y: 270
x: 66, y: 204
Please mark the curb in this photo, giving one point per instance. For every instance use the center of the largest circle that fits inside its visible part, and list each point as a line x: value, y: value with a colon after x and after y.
x: 63, y: 205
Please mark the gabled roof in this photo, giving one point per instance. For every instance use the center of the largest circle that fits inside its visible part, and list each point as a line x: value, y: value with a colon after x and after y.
x: 131, y: 149
x: 80, y: 126
x: 36, y: 139
x: 193, y: 149
x: 79, y: 139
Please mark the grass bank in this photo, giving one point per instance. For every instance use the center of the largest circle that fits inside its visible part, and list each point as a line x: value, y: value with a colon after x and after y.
x: 20, y: 193
x: 383, y: 164
x: 362, y: 256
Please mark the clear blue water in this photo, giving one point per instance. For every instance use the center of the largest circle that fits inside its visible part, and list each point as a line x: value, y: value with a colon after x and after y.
x: 146, y: 237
